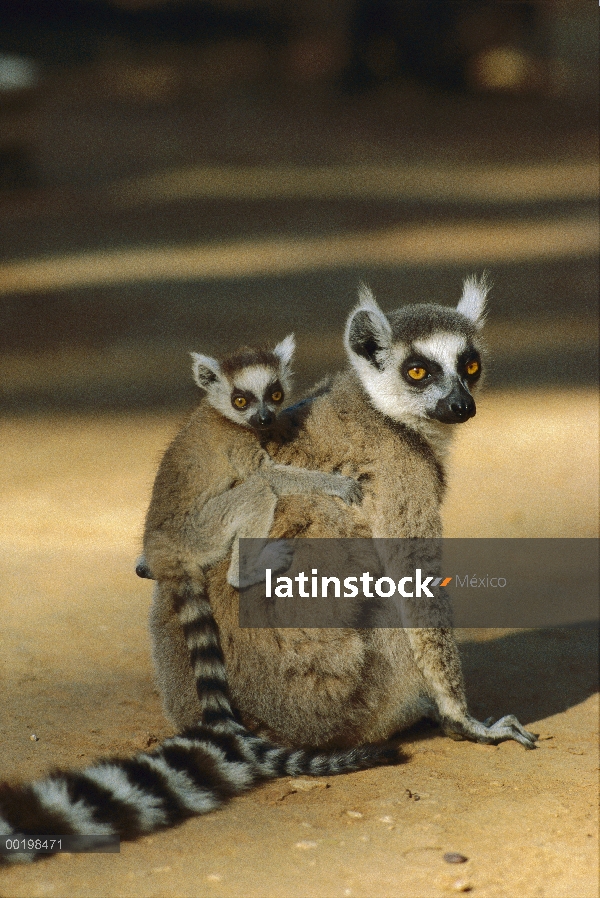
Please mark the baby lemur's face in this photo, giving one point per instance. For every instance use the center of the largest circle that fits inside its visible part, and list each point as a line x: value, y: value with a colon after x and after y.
x: 255, y: 395
x: 248, y: 387
x: 422, y: 361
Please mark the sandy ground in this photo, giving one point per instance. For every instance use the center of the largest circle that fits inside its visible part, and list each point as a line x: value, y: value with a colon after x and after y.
x: 76, y: 672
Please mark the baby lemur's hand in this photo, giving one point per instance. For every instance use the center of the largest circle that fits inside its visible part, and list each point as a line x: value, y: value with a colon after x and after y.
x: 348, y: 489
x: 142, y: 569
x: 276, y: 555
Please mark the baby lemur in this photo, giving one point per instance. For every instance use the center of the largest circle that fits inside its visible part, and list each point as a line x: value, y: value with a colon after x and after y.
x: 387, y: 420
x: 217, y: 484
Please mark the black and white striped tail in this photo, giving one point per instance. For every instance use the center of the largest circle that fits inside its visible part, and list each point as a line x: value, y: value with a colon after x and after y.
x: 206, y: 657
x: 188, y: 775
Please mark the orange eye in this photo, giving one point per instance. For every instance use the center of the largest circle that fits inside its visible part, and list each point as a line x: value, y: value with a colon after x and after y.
x: 417, y: 373
x: 240, y: 402
x: 277, y: 396
x: 472, y: 367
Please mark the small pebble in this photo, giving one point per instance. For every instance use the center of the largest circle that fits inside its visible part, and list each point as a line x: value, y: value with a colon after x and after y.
x: 34, y: 738
x: 356, y: 815
x: 461, y: 885
x: 453, y: 857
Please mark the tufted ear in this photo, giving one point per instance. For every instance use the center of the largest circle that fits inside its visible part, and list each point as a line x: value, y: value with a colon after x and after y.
x: 472, y: 301
x: 205, y: 369
x: 285, y: 352
x: 368, y: 331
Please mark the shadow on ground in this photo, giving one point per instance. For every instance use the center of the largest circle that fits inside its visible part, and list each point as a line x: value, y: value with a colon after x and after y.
x: 533, y: 674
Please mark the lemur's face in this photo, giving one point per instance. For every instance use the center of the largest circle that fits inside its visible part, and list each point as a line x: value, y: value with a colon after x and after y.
x: 434, y: 377
x: 256, y: 396
x: 420, y: 362
x: 249, y: 387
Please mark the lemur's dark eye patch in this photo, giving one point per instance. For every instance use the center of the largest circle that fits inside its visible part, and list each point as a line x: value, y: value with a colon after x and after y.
x: 274, y: 393
x: 419, y: 371
x: 470, y: 365
x: 241, y: 399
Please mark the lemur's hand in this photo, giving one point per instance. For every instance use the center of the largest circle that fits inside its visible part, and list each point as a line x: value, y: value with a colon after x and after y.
x: 276, y: 555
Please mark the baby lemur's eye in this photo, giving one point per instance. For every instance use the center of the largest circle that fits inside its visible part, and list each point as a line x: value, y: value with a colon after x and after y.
x: 277, y: 396
x: 417, y: 372
x: 472, y: 367
x: 240, y: 402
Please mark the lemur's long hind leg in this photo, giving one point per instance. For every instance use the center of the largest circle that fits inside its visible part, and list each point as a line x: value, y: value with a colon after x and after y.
x: 436, y: 655
x: 206, y: 657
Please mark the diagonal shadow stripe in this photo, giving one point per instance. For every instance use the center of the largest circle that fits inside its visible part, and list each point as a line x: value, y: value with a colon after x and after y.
x: 509, y: 241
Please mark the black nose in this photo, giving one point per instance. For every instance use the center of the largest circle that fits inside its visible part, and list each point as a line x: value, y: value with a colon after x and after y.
x: 463, y: 408
x: 456, y: 407
x: 142, y: 569
x: 264, y: 418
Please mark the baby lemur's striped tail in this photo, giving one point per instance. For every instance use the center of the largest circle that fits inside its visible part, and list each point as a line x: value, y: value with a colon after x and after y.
x: 206, y: 657
x: 189, y: 774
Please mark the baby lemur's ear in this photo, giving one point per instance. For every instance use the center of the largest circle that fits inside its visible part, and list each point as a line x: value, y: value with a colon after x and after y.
x: 368, y: 331
x: 472, y: 301
x: 285, y: 352
x: 205, y: 369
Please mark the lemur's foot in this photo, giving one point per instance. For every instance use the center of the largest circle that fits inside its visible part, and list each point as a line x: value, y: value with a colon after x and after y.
x: 276, y: 555
x: 490, y: 733
x: 142, y: 569
x: 348, y: 489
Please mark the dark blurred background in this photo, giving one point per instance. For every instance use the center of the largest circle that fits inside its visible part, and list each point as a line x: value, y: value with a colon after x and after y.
x: 196, y: 175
